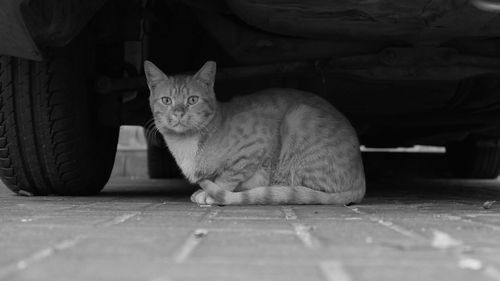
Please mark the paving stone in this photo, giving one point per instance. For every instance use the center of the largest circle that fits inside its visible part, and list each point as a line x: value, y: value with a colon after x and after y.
x: 250, y: 245
x: 149, y: 230
x: 132, y: 269
x: 417, y: 272
x: 18, y: 242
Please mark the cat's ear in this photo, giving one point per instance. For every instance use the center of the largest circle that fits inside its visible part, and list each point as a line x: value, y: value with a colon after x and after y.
x: 153, y: 74
x: 207, y: 73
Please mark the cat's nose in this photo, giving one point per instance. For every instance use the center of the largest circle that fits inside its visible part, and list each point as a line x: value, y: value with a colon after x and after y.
x: 177, y: 115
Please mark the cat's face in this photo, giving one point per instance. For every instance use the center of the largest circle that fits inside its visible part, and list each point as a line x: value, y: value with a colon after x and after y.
x: 181, y: 104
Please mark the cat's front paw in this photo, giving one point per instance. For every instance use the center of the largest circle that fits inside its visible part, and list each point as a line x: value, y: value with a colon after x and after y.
x: 200, y: 197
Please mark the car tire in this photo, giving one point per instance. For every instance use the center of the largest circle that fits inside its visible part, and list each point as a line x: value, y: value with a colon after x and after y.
x: 50, y: 139
x: 475, y: 157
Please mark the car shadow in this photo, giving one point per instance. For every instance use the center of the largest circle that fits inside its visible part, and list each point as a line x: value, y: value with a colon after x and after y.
x: 142, y: 187
x: 387, y: 190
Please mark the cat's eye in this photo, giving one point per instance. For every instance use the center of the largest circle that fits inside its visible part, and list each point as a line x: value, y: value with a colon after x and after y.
x: 192, y: 100
x: 166, y: 100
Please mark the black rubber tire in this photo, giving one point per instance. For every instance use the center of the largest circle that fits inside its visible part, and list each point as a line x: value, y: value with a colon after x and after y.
x: 475, y: 157
x: 50, y: 139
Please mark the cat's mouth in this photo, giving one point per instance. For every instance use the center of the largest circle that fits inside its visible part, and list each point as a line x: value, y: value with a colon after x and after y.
x: 178, y: 126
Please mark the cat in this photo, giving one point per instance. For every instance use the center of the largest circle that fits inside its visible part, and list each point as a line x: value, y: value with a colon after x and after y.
x: 277, y: 146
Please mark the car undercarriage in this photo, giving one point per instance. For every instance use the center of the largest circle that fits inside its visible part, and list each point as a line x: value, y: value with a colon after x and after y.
x: 404, y: 73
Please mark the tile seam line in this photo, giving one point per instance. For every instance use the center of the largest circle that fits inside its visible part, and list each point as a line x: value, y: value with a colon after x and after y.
x: 388, y: 224
x: 40, y: 255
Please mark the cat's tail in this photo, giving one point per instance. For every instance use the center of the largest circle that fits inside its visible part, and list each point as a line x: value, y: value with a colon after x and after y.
x: 274, y: 195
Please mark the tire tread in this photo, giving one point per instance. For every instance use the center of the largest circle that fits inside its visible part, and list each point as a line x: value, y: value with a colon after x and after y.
x: 39, y: 150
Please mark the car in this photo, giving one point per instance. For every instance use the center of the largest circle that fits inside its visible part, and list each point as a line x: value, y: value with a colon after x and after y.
x: 404, y: 72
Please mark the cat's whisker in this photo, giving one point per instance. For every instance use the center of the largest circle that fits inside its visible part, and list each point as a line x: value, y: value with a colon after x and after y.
x: 151, y: 134
x: 148, y: 134
x: 151, y: 128
x: 149, y: 123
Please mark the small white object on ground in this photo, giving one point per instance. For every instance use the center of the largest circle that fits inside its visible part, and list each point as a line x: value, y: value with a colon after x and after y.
x: 24, y: 193
x: 470, y: 263
x: 443, y: 241
x: 488, y: 204
x: 200, y: 233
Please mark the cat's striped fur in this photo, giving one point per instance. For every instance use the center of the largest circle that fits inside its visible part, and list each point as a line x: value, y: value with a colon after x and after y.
x: 278, y: 146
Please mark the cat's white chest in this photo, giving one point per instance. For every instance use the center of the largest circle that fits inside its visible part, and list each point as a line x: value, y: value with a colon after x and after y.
x: 184, y: 151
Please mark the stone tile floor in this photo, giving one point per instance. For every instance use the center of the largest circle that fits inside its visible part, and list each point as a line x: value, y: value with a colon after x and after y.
x: 148, y: 230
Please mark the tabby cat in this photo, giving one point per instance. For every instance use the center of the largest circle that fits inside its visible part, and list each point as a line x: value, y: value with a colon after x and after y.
x: 277, y: 146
